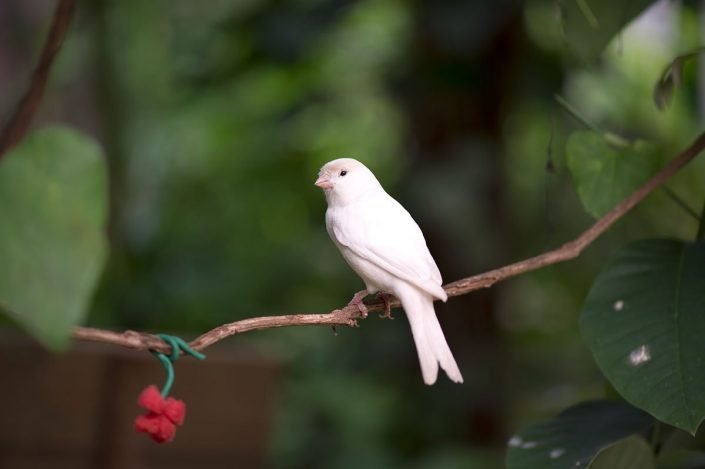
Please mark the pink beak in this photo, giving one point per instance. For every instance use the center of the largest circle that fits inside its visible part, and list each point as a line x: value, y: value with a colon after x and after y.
x: 323, y: 182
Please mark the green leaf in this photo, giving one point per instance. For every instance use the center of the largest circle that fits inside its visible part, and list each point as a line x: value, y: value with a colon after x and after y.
x: 605, y: 173
x: 630, y: 453
x: 589, y: 25
x: 53, y: 205
x: 575, y: 436
x: 671, y: 78
x: 681, y: 459
x: 644, y: 321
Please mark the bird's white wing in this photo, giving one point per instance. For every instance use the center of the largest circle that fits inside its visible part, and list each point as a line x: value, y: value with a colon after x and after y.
x: 382, y: 232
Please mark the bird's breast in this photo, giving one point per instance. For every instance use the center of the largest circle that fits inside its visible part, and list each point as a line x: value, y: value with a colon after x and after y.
x: 375, y: 278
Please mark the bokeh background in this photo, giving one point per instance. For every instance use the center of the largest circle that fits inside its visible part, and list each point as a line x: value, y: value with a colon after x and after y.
x: 215, y: 117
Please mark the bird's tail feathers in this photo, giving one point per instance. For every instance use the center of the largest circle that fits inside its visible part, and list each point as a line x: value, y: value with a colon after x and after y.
x: 427, y: 357
x: 431, y: 345
x: 440, y: 347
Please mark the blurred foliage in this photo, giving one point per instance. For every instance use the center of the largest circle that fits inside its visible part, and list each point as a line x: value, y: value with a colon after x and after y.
x: 606, y: 172
x: 216, y: 116
x: 671, y: 78
x: 630, y: 453
x: 589, y: 25
x: 52, y: 245
x: 238, y: 155
x: 576, y: 436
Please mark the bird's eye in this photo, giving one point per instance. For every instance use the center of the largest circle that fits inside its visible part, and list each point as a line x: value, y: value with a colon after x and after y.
x: 343, y: 173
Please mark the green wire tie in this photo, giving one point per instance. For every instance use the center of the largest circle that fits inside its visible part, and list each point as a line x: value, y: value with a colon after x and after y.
x: 177, y: 345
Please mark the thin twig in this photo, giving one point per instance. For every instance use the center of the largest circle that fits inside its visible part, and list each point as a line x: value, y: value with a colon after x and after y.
x: 22, y: 117
x: 570, y: 109
x: 676, y: 199
x: 348, y: 315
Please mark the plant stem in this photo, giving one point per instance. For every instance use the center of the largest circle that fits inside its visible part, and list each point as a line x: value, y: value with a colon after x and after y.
x: 610, y: 137
x: 23, y: 115
x: 588, y: 13
x: 680, y: 202
x: 576, y: 115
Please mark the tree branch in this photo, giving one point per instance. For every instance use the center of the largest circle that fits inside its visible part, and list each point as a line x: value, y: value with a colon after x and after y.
x: 19, y: 122
x: 348, y: 315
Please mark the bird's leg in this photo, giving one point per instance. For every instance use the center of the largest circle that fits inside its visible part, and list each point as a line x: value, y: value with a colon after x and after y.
x: 357, y: 301
x: 386, y: 298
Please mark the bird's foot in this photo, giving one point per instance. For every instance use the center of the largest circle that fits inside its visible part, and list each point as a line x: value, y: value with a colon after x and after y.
x: 357, y: 301
x: 387, y: 300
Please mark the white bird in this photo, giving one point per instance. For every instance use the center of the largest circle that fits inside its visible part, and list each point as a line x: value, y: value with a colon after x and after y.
x: 385, y: 247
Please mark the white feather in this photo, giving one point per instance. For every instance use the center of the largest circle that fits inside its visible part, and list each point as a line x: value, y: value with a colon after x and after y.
x: 385, y: 247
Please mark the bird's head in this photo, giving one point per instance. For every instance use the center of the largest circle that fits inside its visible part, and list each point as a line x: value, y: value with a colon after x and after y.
x: 345, y: 180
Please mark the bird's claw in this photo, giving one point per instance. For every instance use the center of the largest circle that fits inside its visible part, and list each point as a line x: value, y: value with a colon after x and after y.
x: 357, y: 301
x: 362, y: 308
x: 387, y: 306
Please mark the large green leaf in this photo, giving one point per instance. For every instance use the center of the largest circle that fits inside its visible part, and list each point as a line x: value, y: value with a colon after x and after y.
x: 644, y: 320
x: 53, y: 204
x: 589, y: 25
x: 606, y: 173
x: 630, y: 453
x: 575, y: 436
